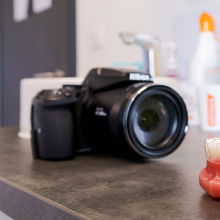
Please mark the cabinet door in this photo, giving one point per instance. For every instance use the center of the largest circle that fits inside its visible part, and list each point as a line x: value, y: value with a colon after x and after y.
x: 35, y: 45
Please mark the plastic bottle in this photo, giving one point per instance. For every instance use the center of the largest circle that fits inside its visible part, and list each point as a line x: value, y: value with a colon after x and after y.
x: 204, y: 65
x: 218, y: 59
x: 170, y: 67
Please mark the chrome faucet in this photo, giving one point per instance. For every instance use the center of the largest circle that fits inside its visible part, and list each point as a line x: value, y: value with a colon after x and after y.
x: 150, y: 45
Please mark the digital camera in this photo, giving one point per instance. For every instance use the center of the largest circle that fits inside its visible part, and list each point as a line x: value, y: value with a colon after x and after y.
x: 118, y: 111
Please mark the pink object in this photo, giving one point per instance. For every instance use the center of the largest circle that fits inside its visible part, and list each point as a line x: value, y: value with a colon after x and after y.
x: 209, y: 177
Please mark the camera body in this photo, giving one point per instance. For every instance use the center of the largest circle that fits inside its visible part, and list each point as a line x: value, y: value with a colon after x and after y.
x: 118, y: 111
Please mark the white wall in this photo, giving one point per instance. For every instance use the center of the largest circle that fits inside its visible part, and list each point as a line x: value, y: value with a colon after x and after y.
x: 150, y: 16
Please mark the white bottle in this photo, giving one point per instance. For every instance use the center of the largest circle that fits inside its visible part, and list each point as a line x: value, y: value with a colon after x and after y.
x: 203, y: 69
x: 218, y: 42
x: 204, y: 66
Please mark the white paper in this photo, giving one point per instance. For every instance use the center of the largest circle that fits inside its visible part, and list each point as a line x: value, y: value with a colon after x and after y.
x: 41, y: 5
x: 20, y: 10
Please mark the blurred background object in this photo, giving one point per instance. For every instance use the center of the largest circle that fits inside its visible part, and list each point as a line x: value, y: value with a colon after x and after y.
x: 203, y: 68
x: 57, y: 73
x: 43, y: 42
x: 41, y: 5
x: 204, y: 65
x: 20, y: 10
x: 189, y: 95
x: 169, y: 59
x: 76, y: 35
x: 151, y: 50
x: 176, y: 21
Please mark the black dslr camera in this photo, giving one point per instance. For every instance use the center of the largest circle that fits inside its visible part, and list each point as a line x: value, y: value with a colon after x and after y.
x: 112, y: 111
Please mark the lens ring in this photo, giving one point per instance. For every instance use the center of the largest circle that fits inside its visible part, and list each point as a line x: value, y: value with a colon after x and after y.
x: 177, y: 137
x: 167, y: 137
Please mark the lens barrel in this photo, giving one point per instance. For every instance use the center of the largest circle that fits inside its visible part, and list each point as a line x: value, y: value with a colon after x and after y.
x: 140, y: 118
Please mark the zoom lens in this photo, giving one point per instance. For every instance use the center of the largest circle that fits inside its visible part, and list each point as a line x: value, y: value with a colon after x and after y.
x: 148, y: 120
x: 156, y: 121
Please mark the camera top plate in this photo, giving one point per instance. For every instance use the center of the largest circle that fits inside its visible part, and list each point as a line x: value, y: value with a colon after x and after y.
x: 99, y: 78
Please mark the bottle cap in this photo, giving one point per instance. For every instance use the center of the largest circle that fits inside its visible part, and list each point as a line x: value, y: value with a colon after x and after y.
x: 206, y: 22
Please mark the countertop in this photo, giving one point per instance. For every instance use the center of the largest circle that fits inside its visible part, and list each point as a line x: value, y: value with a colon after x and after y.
x: 102, y: 186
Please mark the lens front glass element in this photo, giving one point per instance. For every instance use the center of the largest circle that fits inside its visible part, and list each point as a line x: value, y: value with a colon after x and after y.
x: 154, y: 120
x: 149, y: 120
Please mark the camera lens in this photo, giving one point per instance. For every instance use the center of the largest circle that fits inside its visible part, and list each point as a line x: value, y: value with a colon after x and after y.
x: 149, y: 120
x: 153, y: 119
x: 156, y: 121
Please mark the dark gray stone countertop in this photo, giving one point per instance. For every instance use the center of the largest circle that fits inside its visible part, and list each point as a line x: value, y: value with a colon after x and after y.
x: 104, y: 187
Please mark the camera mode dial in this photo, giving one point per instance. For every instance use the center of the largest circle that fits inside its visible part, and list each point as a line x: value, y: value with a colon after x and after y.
x: 66, y: 92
